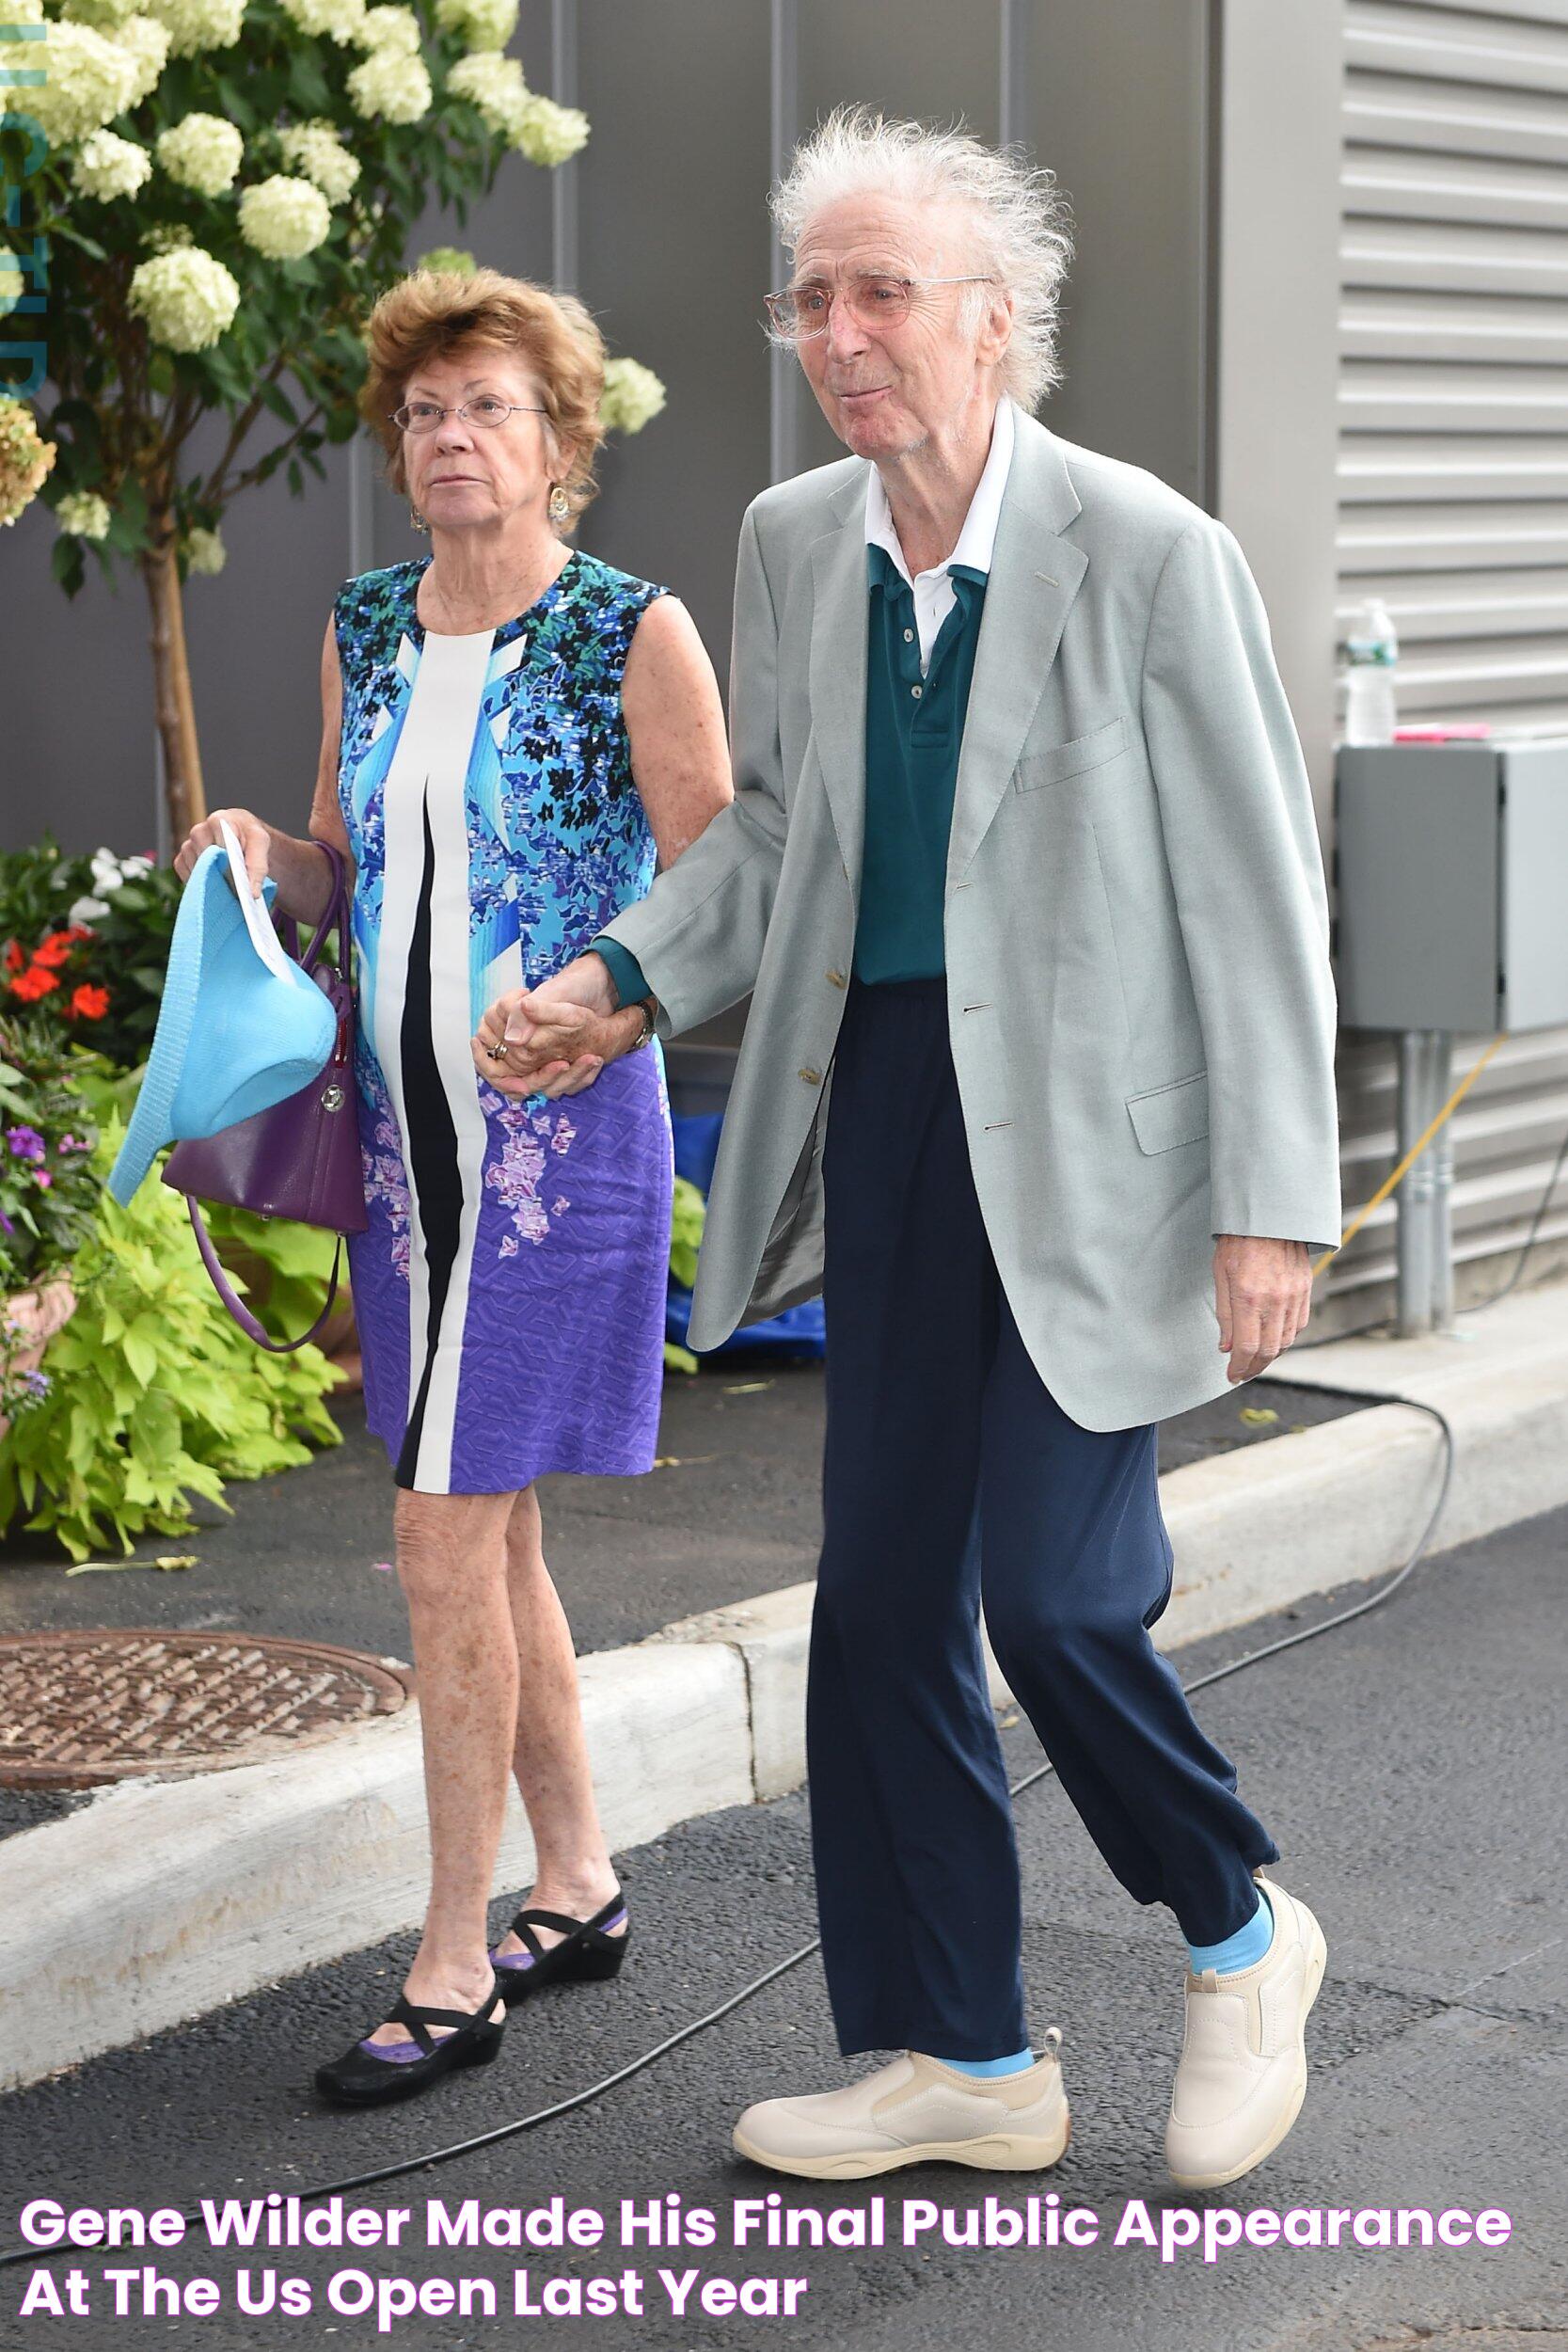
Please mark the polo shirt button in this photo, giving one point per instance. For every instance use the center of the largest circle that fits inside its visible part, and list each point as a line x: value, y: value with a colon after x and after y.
x: 909, y: 637
x: 916, y: 692
x: 812, y: 1077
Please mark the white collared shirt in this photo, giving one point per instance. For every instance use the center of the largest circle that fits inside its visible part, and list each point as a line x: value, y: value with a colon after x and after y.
x: 934, y: 592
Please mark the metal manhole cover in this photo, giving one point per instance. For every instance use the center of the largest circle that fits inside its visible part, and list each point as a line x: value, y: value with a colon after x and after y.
x: 80, y: 1709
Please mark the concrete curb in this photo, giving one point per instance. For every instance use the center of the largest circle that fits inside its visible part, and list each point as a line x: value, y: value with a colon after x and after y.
x: 163, y: 1900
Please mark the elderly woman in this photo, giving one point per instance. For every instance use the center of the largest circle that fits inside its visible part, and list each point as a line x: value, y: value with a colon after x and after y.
x: 512, y: 732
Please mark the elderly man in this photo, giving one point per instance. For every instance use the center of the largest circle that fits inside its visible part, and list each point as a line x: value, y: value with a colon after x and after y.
x: 1038, y: 1086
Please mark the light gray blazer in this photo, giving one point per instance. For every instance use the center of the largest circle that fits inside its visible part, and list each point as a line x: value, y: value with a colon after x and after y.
x: 1140, y: 1001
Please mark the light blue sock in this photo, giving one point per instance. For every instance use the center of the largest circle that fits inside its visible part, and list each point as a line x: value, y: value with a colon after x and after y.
x: 1240, y: 1950
x: 1018, y: 2064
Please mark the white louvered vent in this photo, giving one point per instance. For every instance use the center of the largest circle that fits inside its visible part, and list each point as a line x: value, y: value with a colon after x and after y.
x: 1453, y: 502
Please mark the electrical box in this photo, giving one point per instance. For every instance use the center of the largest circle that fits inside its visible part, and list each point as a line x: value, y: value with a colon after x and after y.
x: 1451, y: 861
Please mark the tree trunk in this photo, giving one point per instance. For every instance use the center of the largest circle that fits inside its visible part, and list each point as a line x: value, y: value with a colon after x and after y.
x: 173, y: 706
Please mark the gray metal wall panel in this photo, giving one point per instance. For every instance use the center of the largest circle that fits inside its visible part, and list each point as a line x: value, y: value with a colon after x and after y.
x: 1453, y: 505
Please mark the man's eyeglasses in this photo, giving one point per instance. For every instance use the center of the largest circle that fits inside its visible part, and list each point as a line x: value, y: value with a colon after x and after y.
x: 423, y: 416
x: 799, y: 313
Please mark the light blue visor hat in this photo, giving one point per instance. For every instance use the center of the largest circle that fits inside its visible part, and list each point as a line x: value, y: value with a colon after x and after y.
x: 241, y: 1025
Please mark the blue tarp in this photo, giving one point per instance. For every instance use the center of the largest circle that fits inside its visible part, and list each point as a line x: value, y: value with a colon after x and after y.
x: 800, y: 1331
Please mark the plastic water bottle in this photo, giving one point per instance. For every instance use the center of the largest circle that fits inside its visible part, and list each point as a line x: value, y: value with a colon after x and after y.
x: 1370, y: 713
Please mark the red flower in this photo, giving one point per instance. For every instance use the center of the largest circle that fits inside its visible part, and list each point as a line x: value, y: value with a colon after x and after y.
x: 91, y: 1003
x: 54, y: 950
x: 16, y: 955
x: 78, y: 931
x: 33, y: 983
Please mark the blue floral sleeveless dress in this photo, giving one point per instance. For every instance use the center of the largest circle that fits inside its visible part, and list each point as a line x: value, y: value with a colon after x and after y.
x: 509, y: 1289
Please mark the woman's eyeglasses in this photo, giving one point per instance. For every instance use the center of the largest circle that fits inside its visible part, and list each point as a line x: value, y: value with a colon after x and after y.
x: 423, y: 416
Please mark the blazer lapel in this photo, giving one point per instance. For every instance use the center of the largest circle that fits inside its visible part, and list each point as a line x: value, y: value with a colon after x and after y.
x: 1035, y: 576
x: 840, y: 621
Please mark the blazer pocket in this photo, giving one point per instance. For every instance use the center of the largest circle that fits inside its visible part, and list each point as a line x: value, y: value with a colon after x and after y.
x: 1059, y: 760
x: 1169, y: 1115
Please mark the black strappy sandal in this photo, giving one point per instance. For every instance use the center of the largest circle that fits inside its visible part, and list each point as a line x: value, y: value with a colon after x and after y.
x: 361, y: 2079
x: 586, y: 1954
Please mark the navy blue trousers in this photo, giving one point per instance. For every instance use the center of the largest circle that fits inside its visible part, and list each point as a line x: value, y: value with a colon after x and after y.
x: 952, y: 1479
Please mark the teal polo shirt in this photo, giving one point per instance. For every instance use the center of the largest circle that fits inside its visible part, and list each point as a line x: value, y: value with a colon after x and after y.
x: 915, y: 729
x: 913, y: 734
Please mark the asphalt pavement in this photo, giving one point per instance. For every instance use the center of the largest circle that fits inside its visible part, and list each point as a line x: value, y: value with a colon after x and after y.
x: 1410, y: 1767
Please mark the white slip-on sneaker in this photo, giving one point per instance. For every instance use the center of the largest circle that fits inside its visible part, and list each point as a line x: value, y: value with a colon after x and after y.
x: 1242, y: 2072
x: 912, y: 2111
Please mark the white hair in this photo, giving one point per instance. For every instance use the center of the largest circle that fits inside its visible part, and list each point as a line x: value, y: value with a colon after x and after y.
x: 1022, y: 225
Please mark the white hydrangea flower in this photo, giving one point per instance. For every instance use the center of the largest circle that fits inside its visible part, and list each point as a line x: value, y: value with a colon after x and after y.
x: 331, y: 20
x: 494, y: 86
x: 166, y: 236
x: 146, y: 42
x: 315, y: 150
x: 283, y: 217
x: 197, y: 25
x: 187, y: 296
x: 479, y: 24
x: 391, y: 85
x: 202, y: 152
x: 389, y: 27
x: 25, y: 459
x: 108, y: 168
x: 550, y: 134
x: 24, y: 12
x: 632, y: 394
x: 451, y: 260
x: 12, y: 284
x: 205, y: 552
x: 103, y: 14
x: 83, y: 515
x: 87, y: 81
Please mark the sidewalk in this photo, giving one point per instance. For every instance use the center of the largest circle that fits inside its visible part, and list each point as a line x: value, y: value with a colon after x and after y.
x: 1399, y: 1763
x: 154, y: 1900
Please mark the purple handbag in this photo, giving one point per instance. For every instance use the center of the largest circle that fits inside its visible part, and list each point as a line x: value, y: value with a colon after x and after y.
x: 301, y: 1158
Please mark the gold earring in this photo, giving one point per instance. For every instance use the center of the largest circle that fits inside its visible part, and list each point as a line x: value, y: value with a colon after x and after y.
x: 416, y: 518
x: 560, y: 505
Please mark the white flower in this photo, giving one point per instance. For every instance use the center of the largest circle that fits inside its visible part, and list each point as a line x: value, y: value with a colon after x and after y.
x: 205, y: 553
x: 479, y: 24
x: 197, y: 25
x: 391, y: 85
x: 25, y: 459
x: 632, y: 394
x: 86, y: 910
x: 100, y: 12
x: 134, y: 865
x: 201, y: 151
x: 335, y: 20
x: 146, y: 42
x: 108, y: 168
x: 389, y: 27
x: 87, y: 81
x: 13, y: 285
x: 283, y: 217
x: 105, y: 871
x: 83, y: 515
x: 551, y: 134
x: 187, y: 296
x: 315, y: 150
x: 24, y: 12
x: 494, y: 87
x: 450, y: 260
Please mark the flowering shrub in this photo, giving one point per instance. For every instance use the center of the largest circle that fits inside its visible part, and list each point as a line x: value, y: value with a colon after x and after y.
x: 225, y: 188
x: 83, y: 942
x: 48, y: 1194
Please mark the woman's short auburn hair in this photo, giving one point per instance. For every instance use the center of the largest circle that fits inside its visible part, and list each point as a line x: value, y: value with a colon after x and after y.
x: 430, y: 313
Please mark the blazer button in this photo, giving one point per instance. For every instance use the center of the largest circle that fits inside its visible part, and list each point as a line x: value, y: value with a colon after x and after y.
x: 837, y: 979
x: 812, y: 1077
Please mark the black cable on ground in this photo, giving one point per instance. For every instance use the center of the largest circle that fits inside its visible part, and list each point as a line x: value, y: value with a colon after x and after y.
x: 429, y: 2157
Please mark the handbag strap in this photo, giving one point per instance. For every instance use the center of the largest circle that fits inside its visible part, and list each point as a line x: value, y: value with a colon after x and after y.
x: 248, y: 1323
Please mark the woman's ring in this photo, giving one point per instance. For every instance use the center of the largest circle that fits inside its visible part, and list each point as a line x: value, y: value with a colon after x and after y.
x: 498, y: 1053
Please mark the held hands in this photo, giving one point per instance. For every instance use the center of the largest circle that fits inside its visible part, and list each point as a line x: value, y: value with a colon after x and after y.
x: 557, y: 1036
x: 1262, y: 1296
